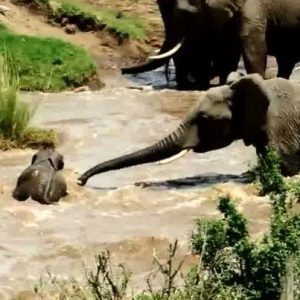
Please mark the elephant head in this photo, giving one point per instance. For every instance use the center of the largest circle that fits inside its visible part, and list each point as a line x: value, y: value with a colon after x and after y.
x: 55, y: 159
x: 41, y: 180
x: 221, y: 115
x: 195, y: 31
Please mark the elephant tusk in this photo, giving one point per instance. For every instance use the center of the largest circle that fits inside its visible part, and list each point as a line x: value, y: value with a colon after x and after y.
x: 174, y: 157
x: 168, y: 53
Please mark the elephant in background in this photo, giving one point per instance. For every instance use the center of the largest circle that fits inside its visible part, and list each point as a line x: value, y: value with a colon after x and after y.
x: 202, y: 55
x: 225, y: 29
x: 41, y: 180
x: 259, y: 112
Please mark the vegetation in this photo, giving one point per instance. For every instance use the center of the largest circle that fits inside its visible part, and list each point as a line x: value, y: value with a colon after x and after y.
x: 88, y: 18
x: 231, y: 266
x: 253, y: 270
x: 46, y: 64
x: 15, y: 115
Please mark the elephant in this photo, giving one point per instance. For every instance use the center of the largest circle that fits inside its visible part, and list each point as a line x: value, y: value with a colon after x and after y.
x: 201, y: 56
x: 227, y: 29
x: 41, y: 180
x: 262, y: 113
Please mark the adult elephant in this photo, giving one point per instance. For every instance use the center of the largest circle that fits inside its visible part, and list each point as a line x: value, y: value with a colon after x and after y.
x: 260, y: 27
x: 195, y: 44
x: 260, y: 112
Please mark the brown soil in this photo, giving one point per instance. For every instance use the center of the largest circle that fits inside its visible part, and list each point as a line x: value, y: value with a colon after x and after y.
x: 106, y: 50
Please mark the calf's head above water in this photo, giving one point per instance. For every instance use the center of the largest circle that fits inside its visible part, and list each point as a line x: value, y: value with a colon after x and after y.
x: 240, y: 110
x: 41, y: 180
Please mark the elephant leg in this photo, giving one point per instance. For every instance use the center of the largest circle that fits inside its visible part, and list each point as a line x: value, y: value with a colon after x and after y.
x: 254, y: 51
x: 181, y: 72
x: 285, y: 66
x: 228, y: 64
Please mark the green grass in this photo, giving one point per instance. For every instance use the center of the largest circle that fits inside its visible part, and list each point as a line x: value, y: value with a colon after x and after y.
x: 46, y: 64
x: 121, y: 25
x: 15, y: 115
x: 88, y: 18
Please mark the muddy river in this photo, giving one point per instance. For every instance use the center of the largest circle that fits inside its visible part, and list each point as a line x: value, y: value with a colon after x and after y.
x: 111, y: 211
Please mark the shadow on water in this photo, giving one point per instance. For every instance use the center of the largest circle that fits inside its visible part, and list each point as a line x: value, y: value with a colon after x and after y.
x: 188, y: 182
x: 157, y: 78
x: 197, y: 181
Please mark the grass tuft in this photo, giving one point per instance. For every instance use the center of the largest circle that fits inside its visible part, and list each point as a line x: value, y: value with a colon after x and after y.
x: 15, y: 115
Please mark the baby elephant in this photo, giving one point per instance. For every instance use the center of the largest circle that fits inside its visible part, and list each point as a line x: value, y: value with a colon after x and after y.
x: 41, y: 180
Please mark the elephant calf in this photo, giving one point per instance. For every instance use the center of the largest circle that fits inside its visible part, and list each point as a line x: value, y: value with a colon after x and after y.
x: 259, y: 112
x: 41, y: 180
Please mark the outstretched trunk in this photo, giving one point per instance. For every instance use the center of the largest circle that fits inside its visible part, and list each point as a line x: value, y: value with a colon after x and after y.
x: 185, y: 137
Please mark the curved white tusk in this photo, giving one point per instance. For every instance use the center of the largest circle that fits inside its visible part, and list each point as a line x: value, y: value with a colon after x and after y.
x: 168, y: 53
x: 174, y: 157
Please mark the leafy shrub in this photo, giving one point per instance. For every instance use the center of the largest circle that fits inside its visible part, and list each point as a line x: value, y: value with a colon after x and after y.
x: 232, y: 261
x: 268, y: 174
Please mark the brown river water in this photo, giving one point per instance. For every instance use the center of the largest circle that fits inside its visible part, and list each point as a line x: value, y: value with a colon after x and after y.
x: 111, y: 212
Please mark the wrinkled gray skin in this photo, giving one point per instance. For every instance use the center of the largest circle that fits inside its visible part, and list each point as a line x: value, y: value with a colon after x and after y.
x: 259, y: 27
x: 260, y: 112
x: 41, y: 180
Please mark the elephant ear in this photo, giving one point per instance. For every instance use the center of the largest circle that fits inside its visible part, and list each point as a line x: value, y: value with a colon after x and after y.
x: 34, y: 157
x: 57, y: 161
x: 250, y: 103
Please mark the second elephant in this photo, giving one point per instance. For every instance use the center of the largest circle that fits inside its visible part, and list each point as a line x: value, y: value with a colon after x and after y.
x: 213, y: 34
x: 207, y: 51
x: 259, y: 112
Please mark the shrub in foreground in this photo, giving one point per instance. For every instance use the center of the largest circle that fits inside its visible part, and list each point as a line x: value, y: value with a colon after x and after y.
x: 232, y: 261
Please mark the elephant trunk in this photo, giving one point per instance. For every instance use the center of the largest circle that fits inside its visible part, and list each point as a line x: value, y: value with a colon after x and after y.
x: 150, y: 64
x: 167, y: 147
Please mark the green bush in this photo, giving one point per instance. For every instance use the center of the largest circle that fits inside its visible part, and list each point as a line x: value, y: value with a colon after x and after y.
x: 232, y: 261
x: 46, y: 64
x: 268, y: 174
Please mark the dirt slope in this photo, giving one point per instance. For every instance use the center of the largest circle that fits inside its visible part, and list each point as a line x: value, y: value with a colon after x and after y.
x: 108, y: 55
